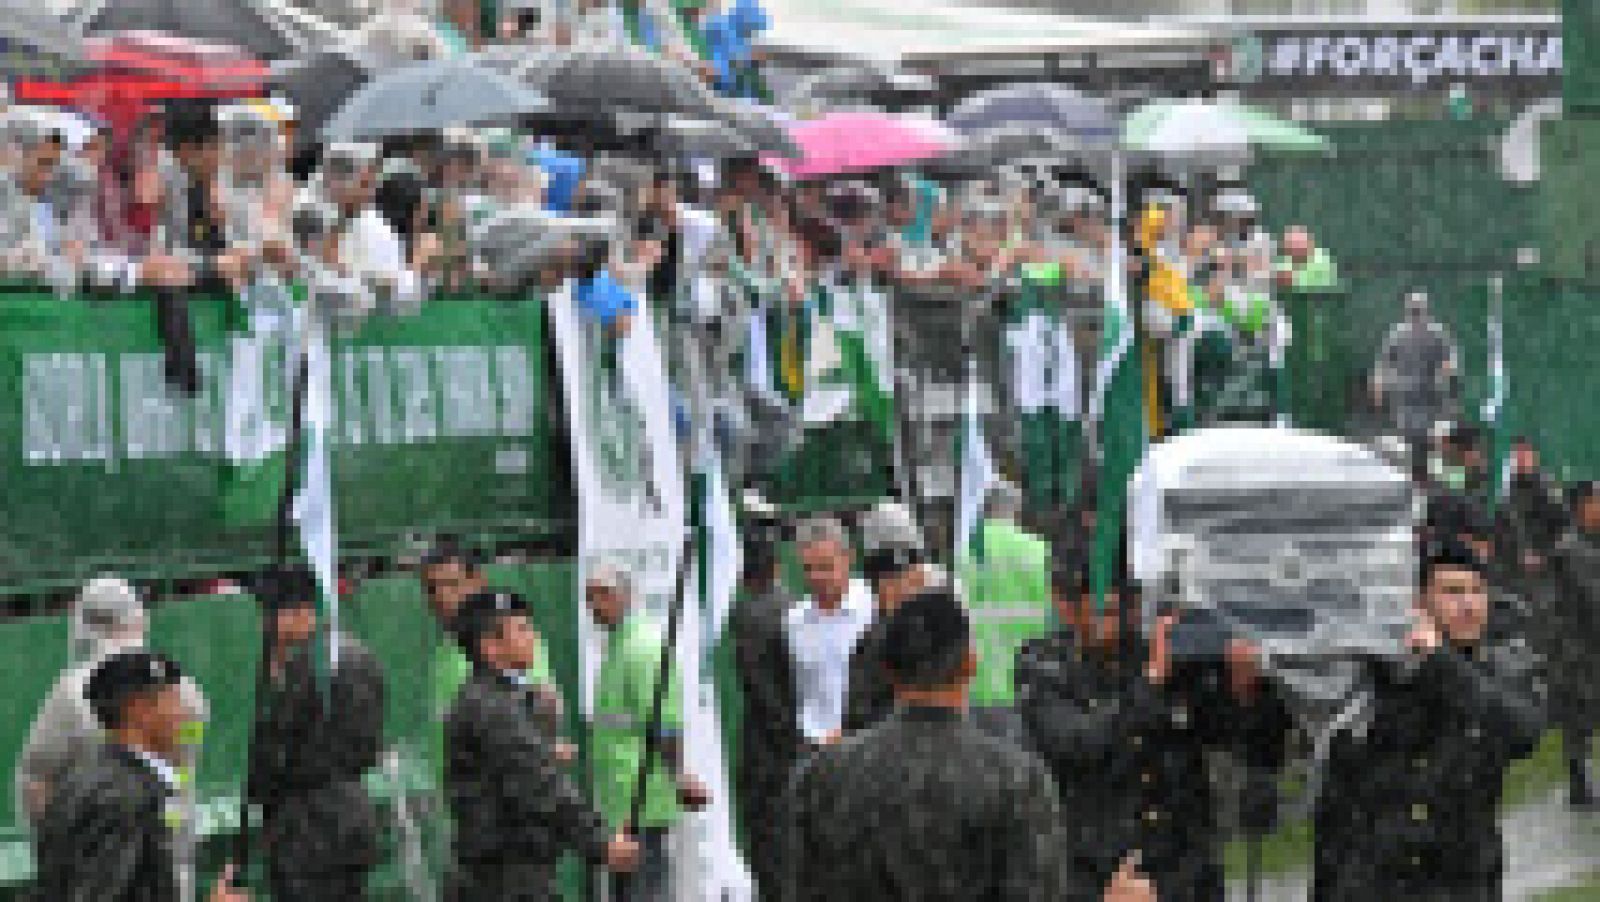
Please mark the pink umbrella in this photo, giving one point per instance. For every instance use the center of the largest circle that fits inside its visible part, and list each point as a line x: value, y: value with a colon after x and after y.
x: 855, y: 141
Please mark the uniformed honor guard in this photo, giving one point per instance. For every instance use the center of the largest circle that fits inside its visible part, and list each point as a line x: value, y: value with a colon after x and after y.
x: 515, y: 811
x: 108, y: 832
x: 1408, y: 807
x: 309, y: 751
x: 925, y: 806
x: 1125, y: 730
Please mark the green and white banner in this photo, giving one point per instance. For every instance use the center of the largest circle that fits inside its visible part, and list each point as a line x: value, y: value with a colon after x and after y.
x: 632, y: 511
x: 849, y: 361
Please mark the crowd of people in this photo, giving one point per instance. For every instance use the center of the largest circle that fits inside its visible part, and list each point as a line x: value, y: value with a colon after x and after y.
x: 991, y: 729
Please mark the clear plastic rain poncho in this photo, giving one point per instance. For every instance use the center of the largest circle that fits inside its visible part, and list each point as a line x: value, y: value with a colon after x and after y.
x: 107, y: 618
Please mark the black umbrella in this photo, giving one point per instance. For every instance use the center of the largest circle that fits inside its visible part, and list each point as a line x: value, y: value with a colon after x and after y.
x: 258, y: 26
x: 1083, y: 118
x: 871, y: 83
x: 617, y: 79
x: 761, y: 126
x: 35, y: 44
x: 319, y: 85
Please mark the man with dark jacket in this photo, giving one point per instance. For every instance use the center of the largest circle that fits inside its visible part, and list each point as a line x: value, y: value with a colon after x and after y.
x: 1408, y: 803
x: 1125, y: 730
x: 309, y: 751
x: 107, y: 834
x: 515, y: 811
x: 924, y: 806
x: 895, y: 565
x: 769, y: 734
x: 1574, y: 627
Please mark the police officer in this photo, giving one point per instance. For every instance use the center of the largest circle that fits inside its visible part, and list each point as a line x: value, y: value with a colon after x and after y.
x: 1125, y: 729
x: 451, y: 573
x: 319, y: 829
x: 107, y: 834
x: 925, y: 806
x: 515, y: 811
x: 1408, y: 804
x: 625, y: 691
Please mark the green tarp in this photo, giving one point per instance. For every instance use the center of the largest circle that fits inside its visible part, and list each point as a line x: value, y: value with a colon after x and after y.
x: 442, y: 424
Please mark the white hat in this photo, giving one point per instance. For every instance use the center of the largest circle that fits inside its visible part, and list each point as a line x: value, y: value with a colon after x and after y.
x: 109, y: 601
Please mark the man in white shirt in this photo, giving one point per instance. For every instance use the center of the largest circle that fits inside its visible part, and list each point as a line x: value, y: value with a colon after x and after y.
x: 823, y: 628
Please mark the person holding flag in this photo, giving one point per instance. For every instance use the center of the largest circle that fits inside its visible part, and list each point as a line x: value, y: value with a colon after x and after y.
x: 623, y: 703
x: 314, y: 738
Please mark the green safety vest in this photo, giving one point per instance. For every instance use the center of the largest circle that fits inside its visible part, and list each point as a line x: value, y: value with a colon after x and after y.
x: 623, y: 694
x: 1008, y: 603
x: 451, y: 668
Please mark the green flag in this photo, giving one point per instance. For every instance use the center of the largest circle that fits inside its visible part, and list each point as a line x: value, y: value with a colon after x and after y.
x: 849, y: 369
x: 1045, y: 391
x: 1117, y: 406
x: 256, y: 405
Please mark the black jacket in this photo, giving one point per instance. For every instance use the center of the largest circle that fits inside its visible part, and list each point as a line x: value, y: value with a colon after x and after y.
x: 1570, y: 629
x: 869, y: 697
x: 1408, y: 801
x: 307, y: 759
x: 105, y: 836
x: 1130, y: 758
x: 924, y: 807
x: 511, y: 801
x: 770, y: 744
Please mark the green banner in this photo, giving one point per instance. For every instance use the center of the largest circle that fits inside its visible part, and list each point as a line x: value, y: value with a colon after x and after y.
x: 441, y: 424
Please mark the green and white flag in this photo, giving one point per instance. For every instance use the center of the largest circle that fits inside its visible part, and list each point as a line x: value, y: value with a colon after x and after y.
x: 255, y: 406
x: 1117, y: 405
x: 1046, y: 390
x: 849, y: 367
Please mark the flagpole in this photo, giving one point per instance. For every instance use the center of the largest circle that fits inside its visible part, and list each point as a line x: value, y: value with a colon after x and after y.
x: 282, y: 529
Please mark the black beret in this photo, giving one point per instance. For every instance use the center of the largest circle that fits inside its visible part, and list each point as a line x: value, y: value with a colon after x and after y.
x: 927, y: 639
x: 1450, y: 553
x: 450, y: 549
x: 190, y: 121
x: 289, y: 589
x: 480, y: 614
x: 889, y: 560
x: 122, y: 676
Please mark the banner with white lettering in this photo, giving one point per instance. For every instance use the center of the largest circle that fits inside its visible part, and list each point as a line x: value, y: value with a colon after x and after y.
x: 1396, y: 59
x: 437, y: 423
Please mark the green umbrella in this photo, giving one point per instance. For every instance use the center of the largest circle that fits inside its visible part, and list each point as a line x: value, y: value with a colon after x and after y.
x: 1212, y: 129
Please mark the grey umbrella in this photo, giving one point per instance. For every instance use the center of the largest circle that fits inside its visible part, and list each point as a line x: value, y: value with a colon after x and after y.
x: 429, y: 96
x: 1084, y: 118
x: 35, y: 44
x: 259, y: 26
x: 761, y: 126
x: 875, y: 83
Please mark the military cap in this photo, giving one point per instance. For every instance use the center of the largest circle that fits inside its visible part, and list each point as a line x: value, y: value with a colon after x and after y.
x: 480, y: 615
x: 123, y: 676
x: 289, y: 589
x: 1450, y: 553
x: 927, y: 638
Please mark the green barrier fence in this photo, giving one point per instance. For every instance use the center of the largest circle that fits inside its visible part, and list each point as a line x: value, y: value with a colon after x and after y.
x: 443, y: 423
x: 218, y: 638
